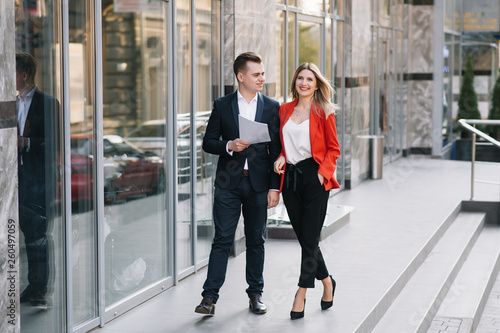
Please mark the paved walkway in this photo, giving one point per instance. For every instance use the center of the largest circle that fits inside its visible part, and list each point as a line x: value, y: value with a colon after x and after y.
x: 490, y: 320
x: 392, y: 218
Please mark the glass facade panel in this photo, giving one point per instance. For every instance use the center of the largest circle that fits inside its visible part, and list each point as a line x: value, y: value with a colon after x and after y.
x: 81, y: 87
x: 337, y: 7
x: 449, y: 14
x: 447, y: 124
x: 207, y: 64
x: 328, y: 50
x: 309, y: 42
x: 134, y: 148
x: 184, y: 145
x: 292, y: 51
x: 281, y: 86
x: 311, y: 5
x: 338, y: 84
x: 399, y: 93
x: 384, y: 92
x: 41, y: 252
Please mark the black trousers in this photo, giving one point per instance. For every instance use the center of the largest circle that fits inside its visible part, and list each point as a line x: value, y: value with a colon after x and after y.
x: 228, y: 205
x: 306, y: 202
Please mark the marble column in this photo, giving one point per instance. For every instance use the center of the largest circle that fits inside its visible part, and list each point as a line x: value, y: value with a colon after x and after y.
x: 9, y: 227
x: 420, y: 84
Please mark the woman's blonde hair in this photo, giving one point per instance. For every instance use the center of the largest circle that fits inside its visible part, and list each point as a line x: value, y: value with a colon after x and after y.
x: 324, y: 93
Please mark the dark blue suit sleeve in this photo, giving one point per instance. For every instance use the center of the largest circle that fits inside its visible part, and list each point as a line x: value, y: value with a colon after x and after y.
x: 212, y: 142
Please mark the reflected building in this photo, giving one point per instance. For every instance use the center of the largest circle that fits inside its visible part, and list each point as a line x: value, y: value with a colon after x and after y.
x: 129, y: 214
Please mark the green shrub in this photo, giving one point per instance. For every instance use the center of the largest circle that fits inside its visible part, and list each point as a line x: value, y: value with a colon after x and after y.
x: 467, y: 102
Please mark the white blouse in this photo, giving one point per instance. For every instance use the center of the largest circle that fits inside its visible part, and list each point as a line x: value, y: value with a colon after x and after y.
x: 297, y: 141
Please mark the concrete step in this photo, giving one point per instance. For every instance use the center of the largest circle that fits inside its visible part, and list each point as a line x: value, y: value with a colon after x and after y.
x: 380, y: 307
x: 465, y: 301
x: 416, y: 305
x: 279, y: 226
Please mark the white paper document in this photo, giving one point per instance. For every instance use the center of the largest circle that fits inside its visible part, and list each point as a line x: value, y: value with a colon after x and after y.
x: 253, y: 131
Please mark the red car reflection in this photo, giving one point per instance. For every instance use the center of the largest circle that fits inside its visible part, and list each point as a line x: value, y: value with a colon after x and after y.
x: 128, y: 171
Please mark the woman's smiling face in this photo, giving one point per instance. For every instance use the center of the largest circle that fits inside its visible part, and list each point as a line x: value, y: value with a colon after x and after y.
x: 306, y: 84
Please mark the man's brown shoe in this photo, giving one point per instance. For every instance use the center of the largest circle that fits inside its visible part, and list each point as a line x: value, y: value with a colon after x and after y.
x: 207, y: 306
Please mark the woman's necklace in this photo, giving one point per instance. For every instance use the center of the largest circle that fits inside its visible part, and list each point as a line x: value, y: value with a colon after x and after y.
x: 301, y: 114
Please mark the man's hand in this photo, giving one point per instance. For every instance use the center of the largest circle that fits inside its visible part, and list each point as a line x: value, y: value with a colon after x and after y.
x: 22, y: 141
x: 273, y: 198
x: 238, y: 145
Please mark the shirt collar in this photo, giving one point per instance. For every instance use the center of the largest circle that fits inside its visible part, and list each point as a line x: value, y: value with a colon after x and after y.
x: 29, y: 94
x: 241, y: 98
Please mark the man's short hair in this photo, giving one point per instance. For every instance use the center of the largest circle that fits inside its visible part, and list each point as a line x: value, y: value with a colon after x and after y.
x: 240, y: 63
x: 26, y: 63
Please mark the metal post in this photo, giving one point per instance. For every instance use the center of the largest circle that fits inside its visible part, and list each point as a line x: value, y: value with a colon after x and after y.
x: 473, y: 160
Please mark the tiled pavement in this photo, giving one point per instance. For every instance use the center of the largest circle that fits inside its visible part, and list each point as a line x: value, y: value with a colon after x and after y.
x: 490, y: 320
x: 392, y: 218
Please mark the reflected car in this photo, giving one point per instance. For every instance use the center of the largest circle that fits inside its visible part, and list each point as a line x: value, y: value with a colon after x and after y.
x: 128, y: 171
x: 151, y: 136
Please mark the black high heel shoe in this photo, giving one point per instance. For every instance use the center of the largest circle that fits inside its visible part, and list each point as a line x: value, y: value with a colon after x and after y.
x: 296, y: 314
x: 327, y: 305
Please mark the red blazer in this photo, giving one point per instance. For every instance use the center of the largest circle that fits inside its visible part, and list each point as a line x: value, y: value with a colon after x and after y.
x: 324, y: 144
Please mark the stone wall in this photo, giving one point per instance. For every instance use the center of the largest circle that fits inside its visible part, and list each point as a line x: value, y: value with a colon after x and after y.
x: 9, y: 228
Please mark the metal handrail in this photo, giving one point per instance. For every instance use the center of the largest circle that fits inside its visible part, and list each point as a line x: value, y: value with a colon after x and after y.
x: 467, y: 124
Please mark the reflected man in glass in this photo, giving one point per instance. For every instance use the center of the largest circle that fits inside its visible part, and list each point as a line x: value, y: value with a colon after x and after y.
x: 33, y: 108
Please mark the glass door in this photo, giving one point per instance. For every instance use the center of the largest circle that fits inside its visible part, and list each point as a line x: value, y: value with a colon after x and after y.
x: 83, y: 232
x: 134, y: 150
x: 384, y: 102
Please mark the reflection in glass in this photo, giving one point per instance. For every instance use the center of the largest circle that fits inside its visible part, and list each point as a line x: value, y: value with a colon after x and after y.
x: 384, y: 79
x: 328, y: 50
x: 447, y: 88
x: 184, y: 151
x: 134, y: 175
x: 207, y: 62
x: 292, y: 59
x: 281, y: 86
x: 84, y: 224
x: 41, y: 236
x: 311, y: 5
x: 309, y: 42
x: 399, y: 93
x: 338, y: 84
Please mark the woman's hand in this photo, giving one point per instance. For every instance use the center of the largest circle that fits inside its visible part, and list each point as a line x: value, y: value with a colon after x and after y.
x: 279, y: 164
x: 321, y: 178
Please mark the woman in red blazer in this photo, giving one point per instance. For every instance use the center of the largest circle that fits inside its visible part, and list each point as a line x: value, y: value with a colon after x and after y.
x: 307, y: 163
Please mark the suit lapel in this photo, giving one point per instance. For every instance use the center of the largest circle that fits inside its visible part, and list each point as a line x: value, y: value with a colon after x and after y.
x: 234, y: 107
x: 260, y: 107
x: 31, y: 113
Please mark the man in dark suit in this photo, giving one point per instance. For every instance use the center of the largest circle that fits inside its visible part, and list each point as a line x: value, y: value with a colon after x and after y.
x: 35, y: 110
x: 244, y: 180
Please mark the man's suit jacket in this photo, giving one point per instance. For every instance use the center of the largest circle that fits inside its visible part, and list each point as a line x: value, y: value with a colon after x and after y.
x: 41, y: 129
x: 223, y: 126
x: 325, y: 147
